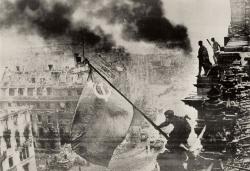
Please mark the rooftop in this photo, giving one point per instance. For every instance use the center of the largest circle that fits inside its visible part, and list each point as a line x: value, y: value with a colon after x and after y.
x: 63, y: 77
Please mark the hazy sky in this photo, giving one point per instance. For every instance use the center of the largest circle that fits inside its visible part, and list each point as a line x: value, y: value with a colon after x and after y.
x: 203, y: 18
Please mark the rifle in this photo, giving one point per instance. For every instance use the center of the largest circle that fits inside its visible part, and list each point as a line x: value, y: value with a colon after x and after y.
x: 209, y: 42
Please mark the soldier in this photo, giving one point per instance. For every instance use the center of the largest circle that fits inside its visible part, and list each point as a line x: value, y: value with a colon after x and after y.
x: 216, y: 49
x: 203, y: 59
x: 181, y: 130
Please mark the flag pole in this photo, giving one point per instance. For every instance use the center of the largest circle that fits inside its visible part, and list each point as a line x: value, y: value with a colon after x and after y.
x: 135, y: 107
x: 209, y: 43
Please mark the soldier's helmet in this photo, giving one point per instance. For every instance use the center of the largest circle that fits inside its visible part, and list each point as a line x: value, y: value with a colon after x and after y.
x: 169, y: 113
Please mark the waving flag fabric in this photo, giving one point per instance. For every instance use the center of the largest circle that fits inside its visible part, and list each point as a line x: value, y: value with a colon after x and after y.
x: 101, y: 121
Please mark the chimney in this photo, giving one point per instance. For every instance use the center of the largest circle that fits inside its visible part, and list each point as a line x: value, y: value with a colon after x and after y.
x: 18, y: 68
x: 50, y: 67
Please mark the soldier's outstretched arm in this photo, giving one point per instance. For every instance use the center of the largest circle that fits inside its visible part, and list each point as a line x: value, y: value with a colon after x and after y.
x: 164, y: 124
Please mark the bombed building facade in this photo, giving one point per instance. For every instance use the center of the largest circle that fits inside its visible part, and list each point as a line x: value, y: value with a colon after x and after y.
x: 17, y: 141
x: 51, y: 96
x: 51, y: 92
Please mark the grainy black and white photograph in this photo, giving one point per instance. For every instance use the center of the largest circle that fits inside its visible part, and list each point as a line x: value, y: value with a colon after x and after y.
x: 124, y: 85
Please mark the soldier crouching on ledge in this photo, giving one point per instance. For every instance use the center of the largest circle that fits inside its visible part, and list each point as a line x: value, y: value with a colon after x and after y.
x: 181, y: 131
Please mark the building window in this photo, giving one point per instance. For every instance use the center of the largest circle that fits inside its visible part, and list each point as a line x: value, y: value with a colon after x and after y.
x: 47, y: 105
x: 69, y: 93
x: 26, y: 132
x: 42, y: 80
x: 49, y: 91
x: 21, y: 156
x: 30, y: 91
x: 33, y: 80
x: 15, y: 120
x: 10, y: 161
x: 17, y: 136
x: 38, y: 106
x: 68, y: 105
x: 7, y: 136
x: 52, y: 105
x: 39, y: 91
x: 27, y: 151
x: 26, y: 167
x: 20, y: 91
x: 42, y: 143
x: 24, y: 153
x: 33, y: 131
x: 51, y: 134
x: 79, y: 91
x: 39, y: 118
x: 9, y: 104
x: 49, y: 119
x: 43, y: 105
x: 11, y: 92
x: 41, y: 132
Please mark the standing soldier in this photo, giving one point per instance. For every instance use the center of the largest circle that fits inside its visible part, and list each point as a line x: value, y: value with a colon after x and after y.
x: 216, y: 49
x: 203, y: 59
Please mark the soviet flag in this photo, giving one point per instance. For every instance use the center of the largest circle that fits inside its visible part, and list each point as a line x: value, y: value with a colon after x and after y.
x: 102, y: 119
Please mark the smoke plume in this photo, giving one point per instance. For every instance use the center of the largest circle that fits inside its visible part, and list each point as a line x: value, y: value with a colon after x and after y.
x: 144, y: 20
x: 51, y: 19
x: 102, y: 23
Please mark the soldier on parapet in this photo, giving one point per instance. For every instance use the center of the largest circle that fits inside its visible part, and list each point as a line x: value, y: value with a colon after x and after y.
x: 181, y: 130
x: 216, y: 49
x: 203, y: 59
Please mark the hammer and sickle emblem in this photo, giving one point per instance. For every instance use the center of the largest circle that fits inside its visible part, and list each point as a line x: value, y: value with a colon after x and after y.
x: 104, y: 94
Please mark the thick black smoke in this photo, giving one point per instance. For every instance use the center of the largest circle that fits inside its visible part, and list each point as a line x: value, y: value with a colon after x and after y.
x: 52, y: 20
x: 144, y: 20
x: 141, y: 20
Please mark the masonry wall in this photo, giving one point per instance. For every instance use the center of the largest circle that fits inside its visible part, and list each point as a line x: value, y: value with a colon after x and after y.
x: 20, y: 155
x: 240, y: 18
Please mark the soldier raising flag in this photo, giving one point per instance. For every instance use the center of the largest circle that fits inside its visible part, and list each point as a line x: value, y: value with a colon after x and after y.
x: 102, y: 118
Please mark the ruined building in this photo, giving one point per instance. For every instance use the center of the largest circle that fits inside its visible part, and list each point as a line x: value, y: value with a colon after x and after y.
x: 51, y: 95
x: 16, y: 141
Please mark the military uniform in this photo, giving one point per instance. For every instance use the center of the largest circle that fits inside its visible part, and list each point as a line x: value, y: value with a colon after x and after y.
x: 181, y: 130
x: 203, y: 60
x: 216, y: 49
